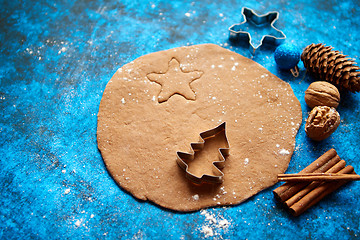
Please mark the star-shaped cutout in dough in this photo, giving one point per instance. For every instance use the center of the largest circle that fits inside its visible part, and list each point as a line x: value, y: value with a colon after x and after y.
x: 175, y: 81
x: 258, y: 29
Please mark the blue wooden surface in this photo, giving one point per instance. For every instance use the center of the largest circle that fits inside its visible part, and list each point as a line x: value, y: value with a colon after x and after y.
x: 55, y: 60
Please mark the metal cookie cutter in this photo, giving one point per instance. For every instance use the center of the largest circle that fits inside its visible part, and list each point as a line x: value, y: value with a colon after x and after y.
x: 183, y: 158
x: 276, y: 37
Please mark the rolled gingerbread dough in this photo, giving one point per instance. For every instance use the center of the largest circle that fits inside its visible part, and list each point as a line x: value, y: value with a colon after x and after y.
x: 160, y: 103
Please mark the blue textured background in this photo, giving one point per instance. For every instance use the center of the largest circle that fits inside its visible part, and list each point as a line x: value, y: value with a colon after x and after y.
x: 55, y: 60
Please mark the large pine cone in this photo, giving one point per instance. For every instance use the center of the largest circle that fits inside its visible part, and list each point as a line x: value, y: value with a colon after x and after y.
x: 332, y: 66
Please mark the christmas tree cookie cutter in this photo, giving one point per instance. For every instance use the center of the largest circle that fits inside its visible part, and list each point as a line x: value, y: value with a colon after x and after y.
x: 275, y: 37
x: 184, y: 158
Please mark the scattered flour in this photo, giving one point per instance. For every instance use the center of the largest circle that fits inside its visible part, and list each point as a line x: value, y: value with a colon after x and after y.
x: 78, y: 223
x: 195, y: 197
x: 214, y: 224
x: 222, y: 189
x: 208, y: 232
x: 284, y: 152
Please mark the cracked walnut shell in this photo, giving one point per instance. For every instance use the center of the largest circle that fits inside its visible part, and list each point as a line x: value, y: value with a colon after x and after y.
x: 322, y: 122
x: 322, y: 94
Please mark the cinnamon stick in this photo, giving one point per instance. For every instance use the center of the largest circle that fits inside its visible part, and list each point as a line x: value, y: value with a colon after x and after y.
x: 322, y: 164
x: 324, y: 178
x: 318, y: 193
x: 335, y: 169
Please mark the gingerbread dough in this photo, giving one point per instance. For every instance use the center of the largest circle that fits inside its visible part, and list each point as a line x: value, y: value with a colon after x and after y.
x: 159, y: 103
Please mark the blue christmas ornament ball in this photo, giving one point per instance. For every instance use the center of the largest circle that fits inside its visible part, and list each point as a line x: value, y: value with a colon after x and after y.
x: 287, y: 56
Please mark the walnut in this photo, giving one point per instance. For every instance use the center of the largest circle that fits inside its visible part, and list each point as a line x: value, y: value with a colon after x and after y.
x: 322, y: 94
x: 322, y: 122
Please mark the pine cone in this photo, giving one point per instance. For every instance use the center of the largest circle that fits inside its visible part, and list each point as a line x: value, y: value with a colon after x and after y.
x: 332, y: 66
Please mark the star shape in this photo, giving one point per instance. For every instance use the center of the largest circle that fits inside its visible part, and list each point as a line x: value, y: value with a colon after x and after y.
x: 262, y: 25
x: 175, y: 81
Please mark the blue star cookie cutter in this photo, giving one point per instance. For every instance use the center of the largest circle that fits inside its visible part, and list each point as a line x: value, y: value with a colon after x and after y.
x: 239, y: 32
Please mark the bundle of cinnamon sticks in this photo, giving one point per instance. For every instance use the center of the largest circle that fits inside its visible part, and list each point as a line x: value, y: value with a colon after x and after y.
x: 309, y: 187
